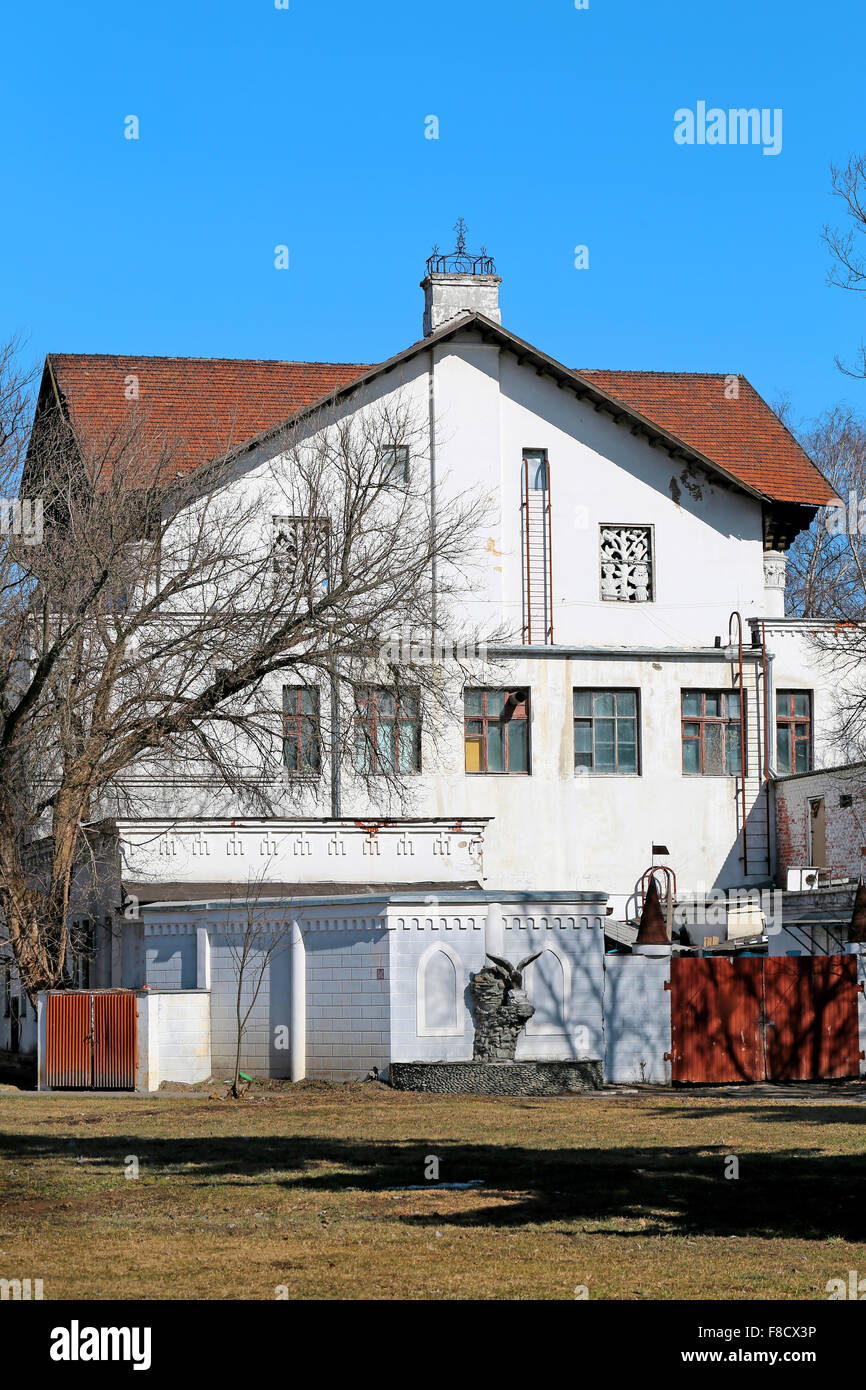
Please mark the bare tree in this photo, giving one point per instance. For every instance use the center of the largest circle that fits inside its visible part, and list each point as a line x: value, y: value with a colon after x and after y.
x: 827, y: 562
x: 847, y: 244
x: 145, y: 641
x: 262, y: 934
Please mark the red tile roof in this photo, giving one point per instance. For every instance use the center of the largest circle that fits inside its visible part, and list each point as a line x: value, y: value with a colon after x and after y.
x: 742, y: 434
x: 217, y: 404
x: 210, y: 404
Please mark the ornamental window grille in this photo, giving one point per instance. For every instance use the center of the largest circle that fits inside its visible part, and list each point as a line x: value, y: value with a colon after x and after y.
x: 627, y: 570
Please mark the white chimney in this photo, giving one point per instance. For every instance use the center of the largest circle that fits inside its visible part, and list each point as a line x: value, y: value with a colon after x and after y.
x: 459, y: 283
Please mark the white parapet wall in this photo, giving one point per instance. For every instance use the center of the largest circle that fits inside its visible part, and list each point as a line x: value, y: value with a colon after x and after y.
x: 637, y: 1019
x: 173, y: 1038
x: 447, y: 850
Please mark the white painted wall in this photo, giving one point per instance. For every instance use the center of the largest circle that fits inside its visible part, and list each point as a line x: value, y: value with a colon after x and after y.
x: 553, y: 830
x: 179, y: 1045
x: 637, y: 1020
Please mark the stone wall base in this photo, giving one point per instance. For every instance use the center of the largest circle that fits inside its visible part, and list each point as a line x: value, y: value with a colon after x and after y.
x: 497, y: 1078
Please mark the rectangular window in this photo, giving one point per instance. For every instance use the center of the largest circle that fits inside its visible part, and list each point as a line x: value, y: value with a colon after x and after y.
x: 387, y: 730
x: 793, y: 730
x: 496, y: 731
x: 7, y: 990
x: 627, y: 565
x: 394, y: 462
x: 606, y: 731
x: 711, y: 733
x: 302, y: 743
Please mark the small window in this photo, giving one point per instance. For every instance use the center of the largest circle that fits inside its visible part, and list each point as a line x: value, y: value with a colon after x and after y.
x: 394, y: 462
x: 627, y: 568
x: 7, y: 990
x: 496, y: 731
x: 793, y: 731
x: 711, y: 733
x: 606, y: 731
x: 302, y: 751
x: 536, y: 469
x: 387, y: 730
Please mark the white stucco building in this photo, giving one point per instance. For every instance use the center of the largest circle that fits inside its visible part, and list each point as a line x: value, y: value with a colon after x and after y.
x: 630, y: 515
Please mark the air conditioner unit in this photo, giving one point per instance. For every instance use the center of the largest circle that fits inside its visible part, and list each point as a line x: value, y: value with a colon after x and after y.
x: 803, y: 878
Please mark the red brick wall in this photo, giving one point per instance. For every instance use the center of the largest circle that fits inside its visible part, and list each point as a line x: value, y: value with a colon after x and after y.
x: 846, y: 825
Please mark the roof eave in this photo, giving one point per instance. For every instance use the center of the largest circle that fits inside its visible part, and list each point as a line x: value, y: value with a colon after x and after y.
x: 524, y: 351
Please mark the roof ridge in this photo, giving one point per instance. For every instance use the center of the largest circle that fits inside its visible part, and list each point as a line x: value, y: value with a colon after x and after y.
x: 651, y: 371
x: 237, y: 361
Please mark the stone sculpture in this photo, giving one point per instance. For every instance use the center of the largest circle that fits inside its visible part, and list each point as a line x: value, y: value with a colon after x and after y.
x: 502, y: 1008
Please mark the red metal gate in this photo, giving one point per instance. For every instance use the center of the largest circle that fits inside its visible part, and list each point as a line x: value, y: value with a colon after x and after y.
x: 775, y: 1018
x: 91, y: 1040
x: 811, y: 1008
x: 716, y: 1019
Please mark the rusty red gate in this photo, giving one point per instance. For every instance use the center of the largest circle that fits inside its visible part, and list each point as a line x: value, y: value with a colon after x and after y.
x: 770, y: 1018
x: 91, y: 1040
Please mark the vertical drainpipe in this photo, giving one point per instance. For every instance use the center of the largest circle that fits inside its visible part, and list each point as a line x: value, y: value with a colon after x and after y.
x: 336, y: 740
x: 431, y: 411
x: 298, y: 1038
x: 772, y: 772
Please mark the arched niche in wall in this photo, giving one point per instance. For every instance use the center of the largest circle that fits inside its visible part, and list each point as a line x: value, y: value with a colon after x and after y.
x: 547, y: 981
x: 438, y: 993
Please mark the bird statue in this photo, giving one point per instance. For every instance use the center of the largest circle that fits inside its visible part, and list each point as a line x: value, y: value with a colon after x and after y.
x: 512, y: 974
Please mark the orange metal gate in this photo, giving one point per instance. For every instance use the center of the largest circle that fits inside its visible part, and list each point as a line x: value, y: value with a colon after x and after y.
x: 775, y: 1018
x: 812, y: 1027
x: 91, y: 1040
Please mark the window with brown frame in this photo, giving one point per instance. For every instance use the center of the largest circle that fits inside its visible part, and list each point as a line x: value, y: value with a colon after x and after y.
x: 606, y: 731
x: 302, y: 752
x: 793, y: 731
x: 496, y: 731
x: 711, y: 733
x: 387, y: 730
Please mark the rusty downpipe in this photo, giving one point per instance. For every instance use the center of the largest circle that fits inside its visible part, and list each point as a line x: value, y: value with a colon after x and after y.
x: 549, y: 546
x: 742, y: 724
x: 527, y: 626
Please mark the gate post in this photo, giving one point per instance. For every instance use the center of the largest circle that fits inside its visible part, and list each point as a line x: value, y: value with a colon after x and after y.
x: 41, y: 1041
x: 858, y: 949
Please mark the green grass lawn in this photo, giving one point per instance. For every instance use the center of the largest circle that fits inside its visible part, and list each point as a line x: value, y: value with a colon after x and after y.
x: 305, y: 1189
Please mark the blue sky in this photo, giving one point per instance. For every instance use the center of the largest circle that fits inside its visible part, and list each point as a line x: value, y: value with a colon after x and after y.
x: 305, y: 127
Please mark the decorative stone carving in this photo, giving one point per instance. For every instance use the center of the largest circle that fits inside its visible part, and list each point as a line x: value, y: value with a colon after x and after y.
x: 774, y: 569
x: 626, y: 563
x: 502, y: 1008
